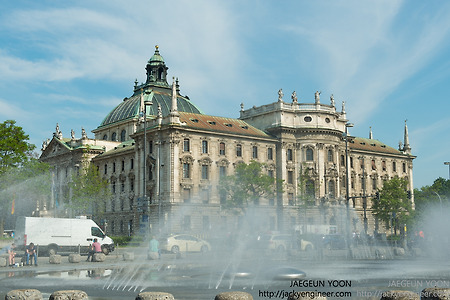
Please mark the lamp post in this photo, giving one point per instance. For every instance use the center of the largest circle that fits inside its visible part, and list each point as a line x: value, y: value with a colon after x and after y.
x: 145, y: 103
x: 347, y: 193
x: 448, y: 164
x: 364, y: 194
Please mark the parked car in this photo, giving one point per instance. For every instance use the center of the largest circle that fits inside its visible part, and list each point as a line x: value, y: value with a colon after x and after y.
x: 184, y: 243
x: 283, y: 242
x: 333, y: 242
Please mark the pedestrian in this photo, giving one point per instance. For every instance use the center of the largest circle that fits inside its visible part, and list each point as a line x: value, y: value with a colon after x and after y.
x: 31, y: 251
x: 153, y: 249
x: 95, y: 248
x: 12, y: 255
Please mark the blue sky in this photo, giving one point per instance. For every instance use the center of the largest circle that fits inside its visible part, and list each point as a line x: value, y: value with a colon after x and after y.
x: 71, y: 62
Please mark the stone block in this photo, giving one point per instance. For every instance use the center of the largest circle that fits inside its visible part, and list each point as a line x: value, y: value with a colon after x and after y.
x: 152, y: 255
x: 435, y: 293
x: 74, y: 258
x: 99, y: 257
x: 68, y: 295
x: 3, y: 262
x: 54, y: 259
x: 28, y: 294
x: 399, y: 295
x: 233, y: 296
x: 128, y: 256
x: 399, y: 251
x: 154, y: 296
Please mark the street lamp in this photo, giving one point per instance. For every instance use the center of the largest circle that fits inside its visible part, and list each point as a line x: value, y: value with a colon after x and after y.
x: 448, y: 164
x: 347, y: 193
x: 146, y: 102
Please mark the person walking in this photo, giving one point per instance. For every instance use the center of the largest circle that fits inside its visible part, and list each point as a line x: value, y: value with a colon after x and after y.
x: 153, y: 249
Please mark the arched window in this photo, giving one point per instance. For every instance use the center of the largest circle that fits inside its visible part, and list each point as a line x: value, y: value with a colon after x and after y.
x: 309, y: 154
x: 114, y: 137
x: 330, y: 155
x: 105, y: 137
x: 123, y: 134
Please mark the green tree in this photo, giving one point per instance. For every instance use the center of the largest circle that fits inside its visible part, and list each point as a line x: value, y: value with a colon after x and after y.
x: 14, y: 148
x: 394, y: 203
x: 438, y: 194
x: 247, y: 186
x: 89, y: 191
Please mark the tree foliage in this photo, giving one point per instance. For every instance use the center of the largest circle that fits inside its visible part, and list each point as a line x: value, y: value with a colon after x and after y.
x: 427, y: 195
x: 247, y: 186
x: 14, y: 148
x: 89, y: 191
x: 394, y: 203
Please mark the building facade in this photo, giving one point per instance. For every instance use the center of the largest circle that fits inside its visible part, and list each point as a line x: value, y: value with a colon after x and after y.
x: 164, y: 159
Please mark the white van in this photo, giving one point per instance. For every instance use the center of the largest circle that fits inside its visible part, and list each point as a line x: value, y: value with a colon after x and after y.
x: 53, y: 235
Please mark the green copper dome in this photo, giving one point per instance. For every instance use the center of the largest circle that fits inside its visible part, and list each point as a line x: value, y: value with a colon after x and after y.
x: 130, y: 107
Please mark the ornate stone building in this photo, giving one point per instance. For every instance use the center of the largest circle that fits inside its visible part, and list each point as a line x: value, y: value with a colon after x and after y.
x: 163, y: 159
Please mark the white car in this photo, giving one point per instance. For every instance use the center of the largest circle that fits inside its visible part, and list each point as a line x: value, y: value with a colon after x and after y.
x: 184, y: 243
x: 283, y: 242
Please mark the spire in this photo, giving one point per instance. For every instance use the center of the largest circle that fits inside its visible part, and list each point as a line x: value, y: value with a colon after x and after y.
x: 370, y: 133
x: 406, y: 146
x: 174, y: 115
x: 174, y: 108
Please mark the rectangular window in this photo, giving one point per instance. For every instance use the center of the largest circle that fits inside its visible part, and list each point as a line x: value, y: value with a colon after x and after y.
x: 132, y: 164
x: 122, y: 186
x: 290, y: 177
x: 150, y: 147
x: 394, y: 166
x: 291, y: 199
x: 187, y: 195
x: 222, y: 171
x: 186, y: 170
x: 404, y: 168
x: 114, y: 167
x: 113, y: 187
x: 204, y: 146
x: 351, y: 162
x: 289, y: 154
x: 186, y: 145
x: 205, y: 172
x: 330, y: 156
x: 374, y: 184
x: 383, y: 165
x: 255, y: 152
x: 132, y: 185
x: 342, y: 160
x: 309, y: 155
x: 270, y: 153
x: 205, y: 196
x: 238, y: 150
x: 374, y: 166
x: 106, y: 168
x: 123, y: 165
x: 270, y: 173
x: 222, y: 149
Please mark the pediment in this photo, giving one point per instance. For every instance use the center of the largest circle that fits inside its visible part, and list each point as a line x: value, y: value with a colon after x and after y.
x: 55, y: 147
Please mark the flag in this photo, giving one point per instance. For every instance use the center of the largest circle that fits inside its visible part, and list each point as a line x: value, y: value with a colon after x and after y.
x: 13, y: 204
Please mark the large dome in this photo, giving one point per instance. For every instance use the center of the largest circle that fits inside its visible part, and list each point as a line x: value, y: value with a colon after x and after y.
x: 130, y: 107
x: 160, y: 93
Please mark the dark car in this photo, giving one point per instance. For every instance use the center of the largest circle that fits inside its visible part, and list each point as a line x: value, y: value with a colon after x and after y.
x: 334, y: 241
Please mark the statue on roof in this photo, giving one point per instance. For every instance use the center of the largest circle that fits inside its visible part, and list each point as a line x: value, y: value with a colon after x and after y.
x: 317, y: 96
x: 57, y: 133
x: 294, y: 97
x: 332, y: 100
x: 280, y: 95
x: 83, y: 133
x: 242, y: 106
x: 72, y: 134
